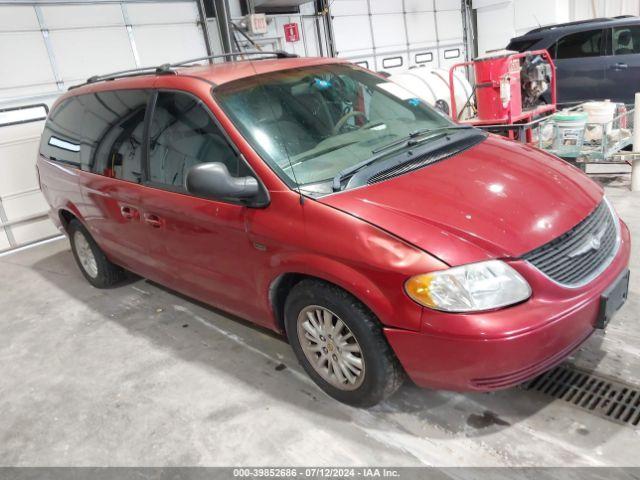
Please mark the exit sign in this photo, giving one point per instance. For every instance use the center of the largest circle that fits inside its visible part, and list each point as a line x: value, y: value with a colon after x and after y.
x: 291, y: 32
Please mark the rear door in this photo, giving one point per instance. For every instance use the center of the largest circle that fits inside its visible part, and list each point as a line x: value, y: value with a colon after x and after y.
x: 114, y: 125
x: 200, y: 246
x: 623, y: 63
x: 101, y: 135
x: 580, y: 66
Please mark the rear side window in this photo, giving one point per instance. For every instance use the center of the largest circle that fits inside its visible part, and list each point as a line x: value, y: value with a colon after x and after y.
x: 62, y: 136
x: 100, y: 132
x: 626, y: 40
x: 580, y: 45
x: 183, y: 134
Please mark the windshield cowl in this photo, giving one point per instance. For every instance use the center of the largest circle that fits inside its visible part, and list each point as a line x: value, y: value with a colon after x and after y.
x: 438, y: 144
x: 413, y: 158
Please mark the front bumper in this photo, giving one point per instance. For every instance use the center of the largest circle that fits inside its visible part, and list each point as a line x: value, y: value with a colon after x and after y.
x: 500, y: 349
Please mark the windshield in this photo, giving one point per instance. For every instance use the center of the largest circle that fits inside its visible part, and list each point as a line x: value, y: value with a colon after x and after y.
x: 311, y: 123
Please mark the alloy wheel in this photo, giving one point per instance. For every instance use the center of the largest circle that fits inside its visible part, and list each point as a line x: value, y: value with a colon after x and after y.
x: 331, y: 347
x: 85, y: 254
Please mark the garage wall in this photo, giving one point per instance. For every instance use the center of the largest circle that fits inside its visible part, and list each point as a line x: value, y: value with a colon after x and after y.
x: 21, y: 203
x: 312, y: 41
x: 516, y: 17
x: 45, y: 47
x: 394, y: 35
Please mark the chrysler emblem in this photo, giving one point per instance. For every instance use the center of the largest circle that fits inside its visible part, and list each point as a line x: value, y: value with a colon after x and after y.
x: 594, y: 242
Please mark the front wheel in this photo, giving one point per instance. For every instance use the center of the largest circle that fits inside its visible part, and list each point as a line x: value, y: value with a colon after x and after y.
x: 340, y: 344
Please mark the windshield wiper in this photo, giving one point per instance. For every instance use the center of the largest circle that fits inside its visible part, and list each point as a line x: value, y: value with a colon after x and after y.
x: 333, y: 148
x: 411, y: 139
x: 350, y: 171
x: 381, y: 152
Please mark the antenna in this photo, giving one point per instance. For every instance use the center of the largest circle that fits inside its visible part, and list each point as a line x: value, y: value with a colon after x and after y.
x: 537, y: 21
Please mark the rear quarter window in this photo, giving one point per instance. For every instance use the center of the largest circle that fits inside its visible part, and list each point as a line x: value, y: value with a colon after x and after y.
x: 100, y: 132
x: 522, y: 45
x: 62, y: 135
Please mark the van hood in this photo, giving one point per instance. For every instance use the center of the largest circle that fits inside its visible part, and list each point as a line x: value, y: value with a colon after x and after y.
x: 499, y: 199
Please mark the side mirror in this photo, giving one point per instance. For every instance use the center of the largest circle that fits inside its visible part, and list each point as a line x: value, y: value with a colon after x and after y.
x: 213, y: 180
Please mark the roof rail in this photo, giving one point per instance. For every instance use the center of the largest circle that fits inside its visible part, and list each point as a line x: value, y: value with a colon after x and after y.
x: 168, y: 68
x: 568, y: 24
x: 129, y: 73
x: 277, y: 54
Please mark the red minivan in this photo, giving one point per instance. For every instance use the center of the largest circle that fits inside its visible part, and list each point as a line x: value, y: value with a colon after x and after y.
x: 318, y: 199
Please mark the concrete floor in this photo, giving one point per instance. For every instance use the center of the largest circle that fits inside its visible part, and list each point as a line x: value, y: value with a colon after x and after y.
x: 138, y: 376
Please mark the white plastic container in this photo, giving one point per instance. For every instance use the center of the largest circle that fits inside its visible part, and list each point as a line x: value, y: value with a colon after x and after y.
x: 601, y: 113
x: 570, y: 127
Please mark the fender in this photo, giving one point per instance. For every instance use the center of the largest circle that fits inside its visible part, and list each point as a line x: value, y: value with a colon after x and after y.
x: 402, y: 314
x: 372, y: 265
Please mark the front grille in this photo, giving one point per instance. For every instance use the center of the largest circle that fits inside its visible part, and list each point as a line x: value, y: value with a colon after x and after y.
x: 576, y: 257
x: 608, y: 398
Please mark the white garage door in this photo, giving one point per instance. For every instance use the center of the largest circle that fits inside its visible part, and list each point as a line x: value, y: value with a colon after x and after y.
x: 394, y: 35
x: 45, y: 47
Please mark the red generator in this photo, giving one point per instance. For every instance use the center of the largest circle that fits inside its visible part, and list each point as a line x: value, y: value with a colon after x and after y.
x: 511, y: 89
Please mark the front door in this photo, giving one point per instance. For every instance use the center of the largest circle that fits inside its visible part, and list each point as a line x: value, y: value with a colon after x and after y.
x: 623, y: 64
x: 200, y: 246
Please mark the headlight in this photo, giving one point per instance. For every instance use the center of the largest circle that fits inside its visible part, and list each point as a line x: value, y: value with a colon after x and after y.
x: 469, y: 288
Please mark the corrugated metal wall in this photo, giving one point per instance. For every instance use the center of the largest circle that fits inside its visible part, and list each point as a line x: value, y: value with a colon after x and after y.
x: 311, y: 27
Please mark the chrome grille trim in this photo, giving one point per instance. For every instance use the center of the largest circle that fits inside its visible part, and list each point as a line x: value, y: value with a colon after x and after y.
x: 562, y: 261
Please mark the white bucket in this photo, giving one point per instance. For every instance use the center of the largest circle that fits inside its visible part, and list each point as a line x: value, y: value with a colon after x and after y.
x: 570, y: 127
x: 600, y: 113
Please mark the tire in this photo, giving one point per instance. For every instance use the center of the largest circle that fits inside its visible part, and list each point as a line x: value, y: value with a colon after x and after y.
x: 91, y: 260
x: 311, y: 302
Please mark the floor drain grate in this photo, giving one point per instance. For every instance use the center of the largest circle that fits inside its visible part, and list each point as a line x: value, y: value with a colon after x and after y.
x: 605, y: 397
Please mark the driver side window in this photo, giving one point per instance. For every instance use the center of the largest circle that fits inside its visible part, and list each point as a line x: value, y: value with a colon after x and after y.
x: 183, y: 134
x: 626, y: 40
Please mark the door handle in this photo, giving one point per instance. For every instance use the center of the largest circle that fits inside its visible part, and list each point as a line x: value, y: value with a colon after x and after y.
x: 620, y: 66
x: 153, y: 220
x: 129, y: 213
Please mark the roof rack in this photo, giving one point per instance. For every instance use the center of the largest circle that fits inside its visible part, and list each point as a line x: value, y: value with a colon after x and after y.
x: 168, y: 68
x: 277, y: 54
x: 568, y: 24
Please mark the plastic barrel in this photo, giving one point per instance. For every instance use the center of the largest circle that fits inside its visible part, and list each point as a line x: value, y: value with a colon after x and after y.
x: 432, y: 86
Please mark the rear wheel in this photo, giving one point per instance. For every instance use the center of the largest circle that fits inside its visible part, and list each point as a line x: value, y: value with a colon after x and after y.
x: 93, y: 263
x: 340, y: 344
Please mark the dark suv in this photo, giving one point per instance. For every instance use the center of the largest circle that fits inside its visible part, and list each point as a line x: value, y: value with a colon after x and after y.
x: 596, y: 59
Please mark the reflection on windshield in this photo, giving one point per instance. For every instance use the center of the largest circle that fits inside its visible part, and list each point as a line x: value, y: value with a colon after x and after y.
x: 311, y: 123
